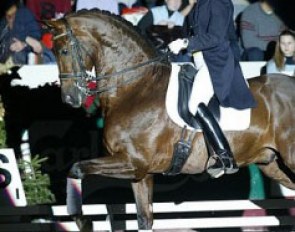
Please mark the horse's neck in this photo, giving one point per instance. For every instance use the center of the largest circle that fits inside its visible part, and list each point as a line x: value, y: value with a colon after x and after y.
x: 149, y: 85
x: 124, y: 49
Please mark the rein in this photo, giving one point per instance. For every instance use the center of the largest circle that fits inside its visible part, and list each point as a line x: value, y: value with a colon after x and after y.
x: 132, y: 68
x: 82, y: 74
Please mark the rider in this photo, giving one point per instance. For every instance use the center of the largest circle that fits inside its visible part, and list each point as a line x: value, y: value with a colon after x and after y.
x: 210, y: 36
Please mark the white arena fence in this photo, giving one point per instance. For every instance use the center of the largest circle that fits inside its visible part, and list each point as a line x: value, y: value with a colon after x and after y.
x: 220, y: 215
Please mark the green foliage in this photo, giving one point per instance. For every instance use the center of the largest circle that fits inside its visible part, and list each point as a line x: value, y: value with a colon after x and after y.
x: 36, y: 184
x: 2, y: 135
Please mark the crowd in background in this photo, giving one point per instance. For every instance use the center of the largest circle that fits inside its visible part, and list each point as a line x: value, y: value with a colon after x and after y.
x: 262, y: 34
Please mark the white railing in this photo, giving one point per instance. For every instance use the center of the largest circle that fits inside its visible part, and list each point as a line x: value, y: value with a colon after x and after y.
x: 190, y: 215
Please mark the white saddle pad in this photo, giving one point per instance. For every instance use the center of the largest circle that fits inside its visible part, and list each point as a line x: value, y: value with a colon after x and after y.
x: 230, y: 119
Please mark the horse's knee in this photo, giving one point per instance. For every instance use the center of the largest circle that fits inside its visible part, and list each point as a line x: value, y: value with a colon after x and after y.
x: 76, y: 172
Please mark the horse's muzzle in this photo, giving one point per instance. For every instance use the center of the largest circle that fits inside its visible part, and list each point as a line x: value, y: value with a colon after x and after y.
x: 75, y: 103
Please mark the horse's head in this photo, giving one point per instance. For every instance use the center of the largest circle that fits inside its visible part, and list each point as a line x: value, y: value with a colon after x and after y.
x: 75, y: 60
x: 87, y: 39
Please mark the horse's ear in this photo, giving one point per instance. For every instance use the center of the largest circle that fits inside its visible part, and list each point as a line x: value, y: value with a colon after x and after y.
x: 51, y: 25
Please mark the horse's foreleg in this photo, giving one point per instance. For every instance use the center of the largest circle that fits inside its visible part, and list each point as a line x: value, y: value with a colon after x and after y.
x: 110, y: 166
x: 74, y: 205
x: 143, y: 194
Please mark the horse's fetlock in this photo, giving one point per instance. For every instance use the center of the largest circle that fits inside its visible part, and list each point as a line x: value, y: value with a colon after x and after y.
x: 144, y: 223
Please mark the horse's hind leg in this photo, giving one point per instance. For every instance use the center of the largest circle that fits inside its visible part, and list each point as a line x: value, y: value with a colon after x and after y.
x: 143, y: 193
x: 283, y: 168
x: 273, y: 171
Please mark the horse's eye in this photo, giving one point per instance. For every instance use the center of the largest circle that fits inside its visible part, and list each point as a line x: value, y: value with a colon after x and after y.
x: 64, y: 52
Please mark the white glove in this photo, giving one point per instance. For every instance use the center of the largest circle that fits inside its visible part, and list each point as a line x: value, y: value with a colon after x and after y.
x: 177, y: 45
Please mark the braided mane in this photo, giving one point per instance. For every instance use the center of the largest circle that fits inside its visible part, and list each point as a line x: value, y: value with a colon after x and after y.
x: 133, y: 30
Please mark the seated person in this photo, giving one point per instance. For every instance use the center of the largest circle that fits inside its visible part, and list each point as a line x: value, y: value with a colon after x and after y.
x: 167, y: 16
x: 107, y: 5
x: 283, y: 60
x: 129, y: 4
x: 17, y: 24
x: 43, y: 54
x: 260, y: 28
x: 49, y: 9
x: 132, y: 10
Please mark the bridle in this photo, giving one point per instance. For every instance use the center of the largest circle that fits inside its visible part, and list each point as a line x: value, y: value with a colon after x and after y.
x: 81, y: 75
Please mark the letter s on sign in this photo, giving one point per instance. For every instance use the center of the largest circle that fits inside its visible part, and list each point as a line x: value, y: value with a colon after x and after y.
x: 5, y: 173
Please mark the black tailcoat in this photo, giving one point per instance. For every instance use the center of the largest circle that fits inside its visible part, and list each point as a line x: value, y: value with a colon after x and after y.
x: 210, y: 29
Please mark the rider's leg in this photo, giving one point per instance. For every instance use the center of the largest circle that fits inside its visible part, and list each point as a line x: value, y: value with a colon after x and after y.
x: 216, y: 139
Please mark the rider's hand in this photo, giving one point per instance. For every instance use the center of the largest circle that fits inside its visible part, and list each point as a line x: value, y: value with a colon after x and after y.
x: 177, y: 45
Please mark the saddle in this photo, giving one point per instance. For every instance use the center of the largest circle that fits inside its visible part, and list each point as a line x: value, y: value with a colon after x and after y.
x: 186, y: 78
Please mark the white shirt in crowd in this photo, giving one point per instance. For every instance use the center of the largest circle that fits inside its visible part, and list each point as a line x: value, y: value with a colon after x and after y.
x: 107, y: 5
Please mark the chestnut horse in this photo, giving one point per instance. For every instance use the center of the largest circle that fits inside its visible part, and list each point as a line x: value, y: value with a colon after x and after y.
x: 132, y: 80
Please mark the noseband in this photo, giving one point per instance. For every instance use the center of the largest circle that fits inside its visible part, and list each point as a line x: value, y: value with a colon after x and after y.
x: 82, y: 77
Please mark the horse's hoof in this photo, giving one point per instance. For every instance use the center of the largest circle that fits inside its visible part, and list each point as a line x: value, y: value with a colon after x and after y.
x: 84, y: 225
x: 76, y: 172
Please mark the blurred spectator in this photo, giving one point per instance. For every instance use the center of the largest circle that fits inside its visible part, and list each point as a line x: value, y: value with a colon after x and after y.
x: 239, y: 7
x: 107, y: 5
x: 17, y: 23
x: 165, y: 15
x: 259, y: 26
x: 43, y: 55
x: 187, y: 6
x: 150, y: 3
x: 129, y: 4
x: 163, y: 24
x: 284, y: 57
x: 49, y: 9
x: 133, y: 14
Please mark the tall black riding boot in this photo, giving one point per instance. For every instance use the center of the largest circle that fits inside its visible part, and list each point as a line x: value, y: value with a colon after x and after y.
x: 223, y: 158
